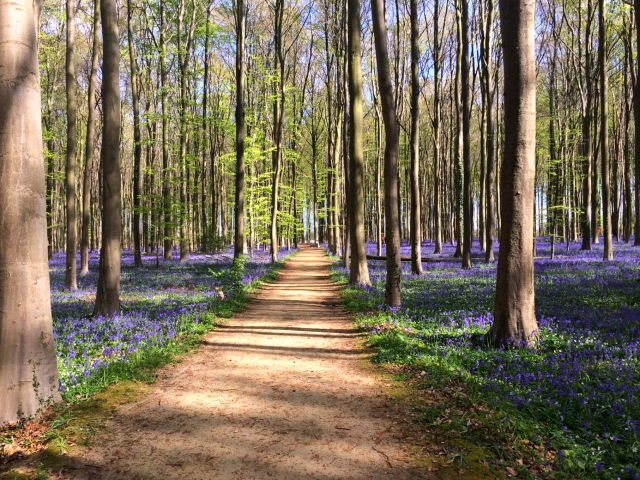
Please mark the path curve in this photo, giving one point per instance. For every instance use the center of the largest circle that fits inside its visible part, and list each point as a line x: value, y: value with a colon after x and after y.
x: 280, y: 391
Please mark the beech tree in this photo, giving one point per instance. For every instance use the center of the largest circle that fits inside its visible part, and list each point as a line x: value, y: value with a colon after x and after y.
x: 28, y: 369
x: 72, y: 134
x: 108, y: 293
x: 391, y: 200
x: 514, y: 317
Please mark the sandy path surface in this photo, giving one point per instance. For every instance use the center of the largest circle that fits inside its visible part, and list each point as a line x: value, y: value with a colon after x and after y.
x: 281, y: 391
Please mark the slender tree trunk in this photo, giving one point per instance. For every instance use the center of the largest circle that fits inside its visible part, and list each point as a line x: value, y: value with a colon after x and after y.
x: 466, y: 137
x: 90, y: 144
x: 28, y: 370
x: 72, y: 143
x: 166, y: 172
x: 437, y: 157
x: 490, y: 226
x: 391, y: 200
x: 459, y: 144
x: 586, y: 149
x: 604, y: 134
x: 359, y: 272
x: 108, y: 292
x: 240, y: 129
x: 205, y: 137
x: 278, y: 116
x: 137, y: 140
x: 514, y: 318
x: 636, y: 118
x: 416, y: 214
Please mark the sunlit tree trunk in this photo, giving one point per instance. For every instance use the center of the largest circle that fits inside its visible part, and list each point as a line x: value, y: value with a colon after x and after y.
x: 90, y: 144
x: 28, y: 370
x: 514, y: 318
x: 359, y: 272
x: 108, y: 292
x: 604, y: 134
x: 70, y: 281
x: 416, y: 227
x: 391, y: 200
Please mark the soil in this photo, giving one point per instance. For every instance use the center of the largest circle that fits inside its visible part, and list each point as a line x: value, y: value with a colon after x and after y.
x: 284, y: 390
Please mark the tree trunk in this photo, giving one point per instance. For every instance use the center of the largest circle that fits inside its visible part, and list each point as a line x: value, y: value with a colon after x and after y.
x: 636, y: 118
x: 28, y: 370
x: 604, y: 134
x: 514, y: 318
x: 391, y: 200
x: 137, y: 141
x: 90, y: 144
x: 108, y: 292
x: 166, y: 172
x: 70, y: 281
x: 278, y: 116
x: 490, y: 225
x: 416, y: 227
x: 359, y: 272
x: 437, y: 157
x: 466, y: 138
x: 238, y: 251
x: 586, y: 149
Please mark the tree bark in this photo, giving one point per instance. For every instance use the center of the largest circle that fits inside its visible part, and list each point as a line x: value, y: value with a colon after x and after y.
x: 89, y: 144
x: 108, y: 292
x: 359, y: 272
x: 490, y: 225
x: 514, y: 318
x: 28, y: 370
x: 137, y: 140
x: 604, y: 133
x: 466, y: 137
x: 416, y: 214
x: 240, y: 130
x: 394, y: 267
x: 166, y: 173
x: 70, y: 281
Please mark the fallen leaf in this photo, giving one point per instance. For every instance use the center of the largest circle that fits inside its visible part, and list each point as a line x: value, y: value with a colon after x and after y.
x: 511, y: 472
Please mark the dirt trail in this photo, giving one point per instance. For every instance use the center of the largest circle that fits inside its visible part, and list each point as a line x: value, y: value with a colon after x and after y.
x: 278, y: 392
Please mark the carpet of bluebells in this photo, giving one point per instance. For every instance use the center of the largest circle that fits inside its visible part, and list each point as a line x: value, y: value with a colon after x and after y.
x: 162, y: 303
x: 582, y: 381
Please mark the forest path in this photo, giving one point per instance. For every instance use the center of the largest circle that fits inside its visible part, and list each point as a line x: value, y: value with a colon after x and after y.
x: 281, y: 391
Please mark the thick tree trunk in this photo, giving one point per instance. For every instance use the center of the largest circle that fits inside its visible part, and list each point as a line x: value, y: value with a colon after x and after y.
x: 514, y: 318
x: 636, y: 118
x: 90, y: 144
x: 137, y: 140
x: 416, y: 227
x: 359, y: 272
x: 108, y: 292
x: 70, y: 281
x: 604, y: 134
x: 391, y: 200
x: 28, y: 370
x: 238, y: 251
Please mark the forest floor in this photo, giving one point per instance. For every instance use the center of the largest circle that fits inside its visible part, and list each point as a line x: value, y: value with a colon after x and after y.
x: 284, y: 390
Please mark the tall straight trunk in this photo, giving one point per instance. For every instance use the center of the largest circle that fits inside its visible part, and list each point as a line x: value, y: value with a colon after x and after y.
x: 359, y: 272
x: 184, y: 52
x: 437, y: 178
x: 108, y: 291
x: 205, y: 91
x: 166, y: 172
x: 28, y: 370
x: 391, y: 200
x: 278, y: 116
x: 466, y: 140
x: 70, y: 280
x: 459, y: 131
x: 636, y: 118
x: 416, y: 227
x: 240, y: 130
x: 604, y: 133
x: 514, y: 318
x: 490, y: 178
x: 137, y: 140
x: 89, y: 144
x: 379, y: 221
x: 586, y: 148
x: 628, y: 209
